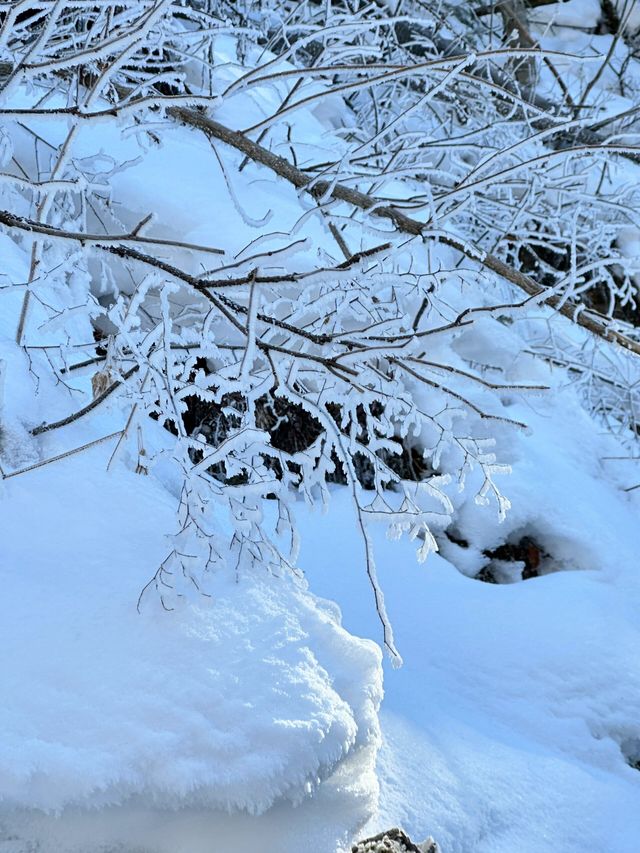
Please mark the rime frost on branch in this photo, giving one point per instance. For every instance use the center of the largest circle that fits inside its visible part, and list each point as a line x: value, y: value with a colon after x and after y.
x: 381, y: 189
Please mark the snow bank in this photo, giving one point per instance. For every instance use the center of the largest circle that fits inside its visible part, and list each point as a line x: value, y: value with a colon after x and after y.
x: 236, y: 703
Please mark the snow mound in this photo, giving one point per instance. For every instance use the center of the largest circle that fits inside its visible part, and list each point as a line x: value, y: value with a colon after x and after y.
x: 231, y: 703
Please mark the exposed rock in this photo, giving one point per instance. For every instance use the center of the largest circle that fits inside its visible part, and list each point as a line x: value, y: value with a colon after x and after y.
x: 513, y: 561
x: 394, y: 841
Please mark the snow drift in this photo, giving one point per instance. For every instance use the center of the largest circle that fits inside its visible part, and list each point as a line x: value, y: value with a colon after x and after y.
x: 231, y: 704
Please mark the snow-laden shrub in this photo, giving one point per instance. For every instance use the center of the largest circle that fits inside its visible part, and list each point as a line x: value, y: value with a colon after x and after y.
x: 303, y: 297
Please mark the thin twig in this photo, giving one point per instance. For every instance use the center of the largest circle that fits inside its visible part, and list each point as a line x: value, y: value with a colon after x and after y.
x: 86, y: 409
x: 59, y: 456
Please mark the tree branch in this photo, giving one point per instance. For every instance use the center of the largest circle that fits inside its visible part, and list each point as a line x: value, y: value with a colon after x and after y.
x: 86, y: 409
x: 588, y: 319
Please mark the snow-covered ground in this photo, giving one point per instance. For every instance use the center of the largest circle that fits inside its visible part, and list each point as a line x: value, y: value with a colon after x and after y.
x: 511, y: 724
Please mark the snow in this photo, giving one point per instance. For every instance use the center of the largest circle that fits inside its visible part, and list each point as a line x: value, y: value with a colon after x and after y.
x: 507, y: 725
x: 231, y: 705
x: 503, y: 730
x: 251, y: 716
x: 582, y: 14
